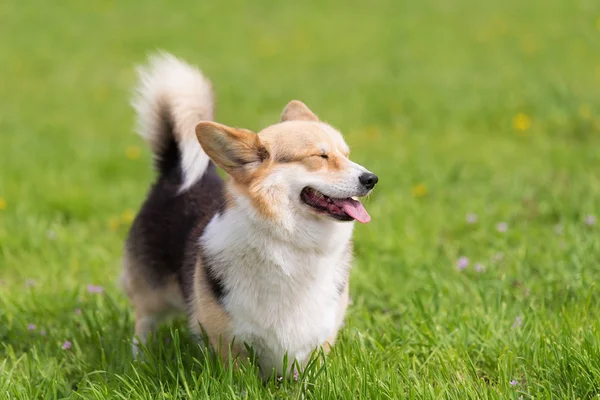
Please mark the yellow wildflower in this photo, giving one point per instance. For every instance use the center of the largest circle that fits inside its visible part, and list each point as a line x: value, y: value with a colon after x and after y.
x: 101, y: 95
x: 133, y: 152
x: 301, y: 41
x: 267, y: 46
x: 419, y: 190
x: 528, y: 45
x: 521, y: 122
x: 2, y: 204
x: 500, y: 27
x: 127, y: 216
x: 585, y: 111
x: 396, y: 107
x: 114, y: 223
x: 372, y: 132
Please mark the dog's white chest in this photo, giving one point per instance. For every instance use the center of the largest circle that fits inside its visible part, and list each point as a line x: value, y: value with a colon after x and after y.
x: 290, y: 310
x: 276, y: 324
x: 281, y: 297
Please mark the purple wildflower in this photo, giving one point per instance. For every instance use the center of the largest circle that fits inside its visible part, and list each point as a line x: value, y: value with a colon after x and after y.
x: 479, y: 267
x: 29, y: 282
x: 590, y: 220
x: 502, y: 227
x: 471, y: 218
x: 296, y: 375
x: 462, y: 263
x: 31, y: 327
x: 66, y: 345
x: 514, y: 383
x: 518, y: 322
x: 95, y: 289
x: 43, y: 332
x: 78, y: 311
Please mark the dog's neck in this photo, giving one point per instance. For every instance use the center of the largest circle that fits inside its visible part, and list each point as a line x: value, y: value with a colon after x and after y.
x: 294, y: 244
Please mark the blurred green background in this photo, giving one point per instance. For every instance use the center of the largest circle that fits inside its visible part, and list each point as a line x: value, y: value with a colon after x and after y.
x: 481, y: 118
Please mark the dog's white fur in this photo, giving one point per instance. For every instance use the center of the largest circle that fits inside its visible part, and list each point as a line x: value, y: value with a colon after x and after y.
x: 286, y: 278
x: 169, y: 84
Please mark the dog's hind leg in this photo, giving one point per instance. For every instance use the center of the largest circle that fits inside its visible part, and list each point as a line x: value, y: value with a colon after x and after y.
x: 151, y: 302
x: 144, y: 324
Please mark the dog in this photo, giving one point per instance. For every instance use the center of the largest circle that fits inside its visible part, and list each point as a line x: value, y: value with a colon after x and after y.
x: 260, y: 260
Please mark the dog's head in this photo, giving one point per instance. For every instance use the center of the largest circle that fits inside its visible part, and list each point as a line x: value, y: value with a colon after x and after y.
x: 298, y: 168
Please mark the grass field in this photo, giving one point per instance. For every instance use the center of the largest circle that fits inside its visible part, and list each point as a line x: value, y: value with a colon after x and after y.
x: 478, y: 275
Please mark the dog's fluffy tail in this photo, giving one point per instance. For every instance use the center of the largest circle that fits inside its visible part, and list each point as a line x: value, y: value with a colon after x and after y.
x: 171, y: 98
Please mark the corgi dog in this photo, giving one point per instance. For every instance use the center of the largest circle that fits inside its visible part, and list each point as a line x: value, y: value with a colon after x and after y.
x: 261, y: 259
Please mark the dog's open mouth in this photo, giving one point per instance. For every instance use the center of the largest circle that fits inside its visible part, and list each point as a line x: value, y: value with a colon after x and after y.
x: 341, y: 209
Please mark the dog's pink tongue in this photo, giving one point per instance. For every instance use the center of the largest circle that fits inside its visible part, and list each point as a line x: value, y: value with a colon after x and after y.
x: 354, y: 209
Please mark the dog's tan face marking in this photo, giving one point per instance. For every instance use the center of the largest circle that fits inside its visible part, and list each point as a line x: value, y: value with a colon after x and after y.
x: 314, y: 150
x: 271, y: 168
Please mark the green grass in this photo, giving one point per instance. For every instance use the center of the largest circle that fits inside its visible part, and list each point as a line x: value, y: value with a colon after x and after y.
x: 426, y: 93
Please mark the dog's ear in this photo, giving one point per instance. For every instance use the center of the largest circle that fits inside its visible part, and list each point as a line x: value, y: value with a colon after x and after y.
x: 237, y: 151
x: 297, y: 111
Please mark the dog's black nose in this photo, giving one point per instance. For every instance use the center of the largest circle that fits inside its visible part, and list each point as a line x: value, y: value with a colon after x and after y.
x: 368, y: 180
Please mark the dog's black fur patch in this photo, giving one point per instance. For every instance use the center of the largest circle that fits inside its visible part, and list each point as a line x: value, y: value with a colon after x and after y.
x: 163, y: 239
x: 194, y: 251
x: 168, y: 157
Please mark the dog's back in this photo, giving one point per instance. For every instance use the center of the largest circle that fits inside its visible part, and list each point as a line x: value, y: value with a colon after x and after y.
x: 171, y: 99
